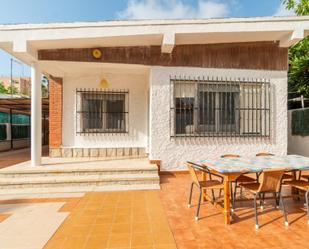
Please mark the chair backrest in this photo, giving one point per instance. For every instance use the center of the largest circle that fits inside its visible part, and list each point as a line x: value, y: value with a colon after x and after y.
x: 270, y: 180
x: 193, y: 174
x: 264, y: 153
x: 230, y: 156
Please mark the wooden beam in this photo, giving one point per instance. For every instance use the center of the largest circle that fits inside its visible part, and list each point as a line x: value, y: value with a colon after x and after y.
x: 253, y: 55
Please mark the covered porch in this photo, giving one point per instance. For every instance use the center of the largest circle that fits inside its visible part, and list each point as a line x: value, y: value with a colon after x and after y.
x: 142, y: 56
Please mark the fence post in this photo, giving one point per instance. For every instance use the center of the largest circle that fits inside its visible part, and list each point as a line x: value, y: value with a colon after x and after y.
x: 11, y: 128
x: 302, y: 101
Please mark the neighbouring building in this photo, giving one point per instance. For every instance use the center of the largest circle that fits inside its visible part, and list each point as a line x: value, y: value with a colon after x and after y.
x: 174, y: 90
x: 21, y: 84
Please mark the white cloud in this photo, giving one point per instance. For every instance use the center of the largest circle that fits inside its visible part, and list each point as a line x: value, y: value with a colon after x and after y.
x: 173, y: 9
x: 282, y: 11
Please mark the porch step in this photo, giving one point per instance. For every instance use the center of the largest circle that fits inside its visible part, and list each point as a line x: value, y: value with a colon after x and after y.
x: 69, y: 171
x: 79, y: 177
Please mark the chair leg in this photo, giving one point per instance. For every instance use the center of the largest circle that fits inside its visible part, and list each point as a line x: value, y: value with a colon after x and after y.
x: 307, y: 204
x: 286, y: 222
x: 256, y: 213
x: 213, y: 195
x: 257, y: 177
x: 190, y: 196
x: 262, y: 201
x: 278, y: 196
x: 199, y: 204
x: 234, y: 195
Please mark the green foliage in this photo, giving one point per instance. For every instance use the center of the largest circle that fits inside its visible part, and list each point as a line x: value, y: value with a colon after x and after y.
x: 44, y: 91
x: 2, y: 88
x: 299, y: 53
x: 299, y: 67
x: 300, y: 7
x: 12, y: 90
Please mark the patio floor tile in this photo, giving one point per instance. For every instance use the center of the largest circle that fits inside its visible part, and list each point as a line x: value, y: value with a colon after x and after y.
x: 125, y: 220
x: 210, y: 231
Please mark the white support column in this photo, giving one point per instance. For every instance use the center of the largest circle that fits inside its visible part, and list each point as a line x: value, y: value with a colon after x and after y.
x: 36, y: 115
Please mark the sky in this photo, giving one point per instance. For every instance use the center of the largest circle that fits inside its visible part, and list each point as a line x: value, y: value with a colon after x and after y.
x: 44, y: 11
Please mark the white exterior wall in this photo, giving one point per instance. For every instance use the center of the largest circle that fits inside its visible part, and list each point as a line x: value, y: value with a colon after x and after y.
x: 297, y: 144
x: 174, y: 153
x: 137, y: 84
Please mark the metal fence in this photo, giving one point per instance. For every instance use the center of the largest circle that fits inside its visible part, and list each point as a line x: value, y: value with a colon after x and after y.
x: 216, y: 107
x: 15, y: 130
x: 102, y: 111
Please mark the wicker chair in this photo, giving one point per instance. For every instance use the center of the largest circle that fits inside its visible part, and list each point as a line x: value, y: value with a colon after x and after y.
x: 270, y: 182
x: 202, y: 185
x: 306, y: 177
x: 241, y: 179
x: 285, y: 177
x: 302, y: 185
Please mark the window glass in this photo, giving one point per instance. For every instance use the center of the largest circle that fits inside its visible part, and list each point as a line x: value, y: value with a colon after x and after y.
x: 101, y: 112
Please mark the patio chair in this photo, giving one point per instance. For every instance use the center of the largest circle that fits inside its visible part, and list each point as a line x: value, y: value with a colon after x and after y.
x: 241, y: 179
x: 203, y: 185
x: 285, y: 177
x: 304, y: 186
x: 270, y: 183
x: 306, y: 177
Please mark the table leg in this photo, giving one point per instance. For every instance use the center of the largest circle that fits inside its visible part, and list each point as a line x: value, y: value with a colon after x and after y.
x: 227, y: 203
x: 204, y: 178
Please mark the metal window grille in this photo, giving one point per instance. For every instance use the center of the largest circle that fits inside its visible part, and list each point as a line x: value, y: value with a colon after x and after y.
x: 102, y: 111
x: 211, y: 107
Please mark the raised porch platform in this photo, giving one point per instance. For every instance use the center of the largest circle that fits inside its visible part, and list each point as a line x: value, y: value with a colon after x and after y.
x: 58, y: 175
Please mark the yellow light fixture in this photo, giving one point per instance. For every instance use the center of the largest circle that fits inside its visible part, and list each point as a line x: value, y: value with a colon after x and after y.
x: 104, y: 83
x: 97, y: 53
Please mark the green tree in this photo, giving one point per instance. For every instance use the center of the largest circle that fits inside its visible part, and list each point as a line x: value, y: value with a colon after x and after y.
x: 299, y: 53
x: 2, y: 88
x: 12, y: 90
x: 300, y: 7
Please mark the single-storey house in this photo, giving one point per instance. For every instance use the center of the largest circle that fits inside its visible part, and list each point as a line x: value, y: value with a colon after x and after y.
x: 172, y: 90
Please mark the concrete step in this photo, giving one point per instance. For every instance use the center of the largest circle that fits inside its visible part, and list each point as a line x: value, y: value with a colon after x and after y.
x: 79, y: 168
x: 56, y: 176
x: 97, y: 180
x: 5, y: 193
x: 75, y: 172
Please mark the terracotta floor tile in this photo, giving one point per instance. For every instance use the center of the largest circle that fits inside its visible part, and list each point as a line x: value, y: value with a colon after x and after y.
x: 210, y: 231
x: 165, y: 246
x: 119, y: 240
x: 140, y: 227
x: 4, y: 217
x: 141, y: 239
x: 121, y: 228
x: 85, y: 220
x: 104, y: 219
x: 100, y: 229
x: 96, y: 242
x: 163, y: 238
x: 56, y: 243
x: 122, y: 218
x: 74, y: 242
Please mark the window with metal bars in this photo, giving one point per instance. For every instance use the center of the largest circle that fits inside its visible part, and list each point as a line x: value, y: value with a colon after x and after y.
x: 102, y: 111
x: 212, y: 108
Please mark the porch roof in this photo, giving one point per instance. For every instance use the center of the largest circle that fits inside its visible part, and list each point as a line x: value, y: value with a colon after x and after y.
x: 20, y: 105
x: 25, y: 40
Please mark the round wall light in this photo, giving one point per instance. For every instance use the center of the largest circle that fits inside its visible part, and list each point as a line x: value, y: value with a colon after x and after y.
x: 104, y: 83
x: 97, y: 53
